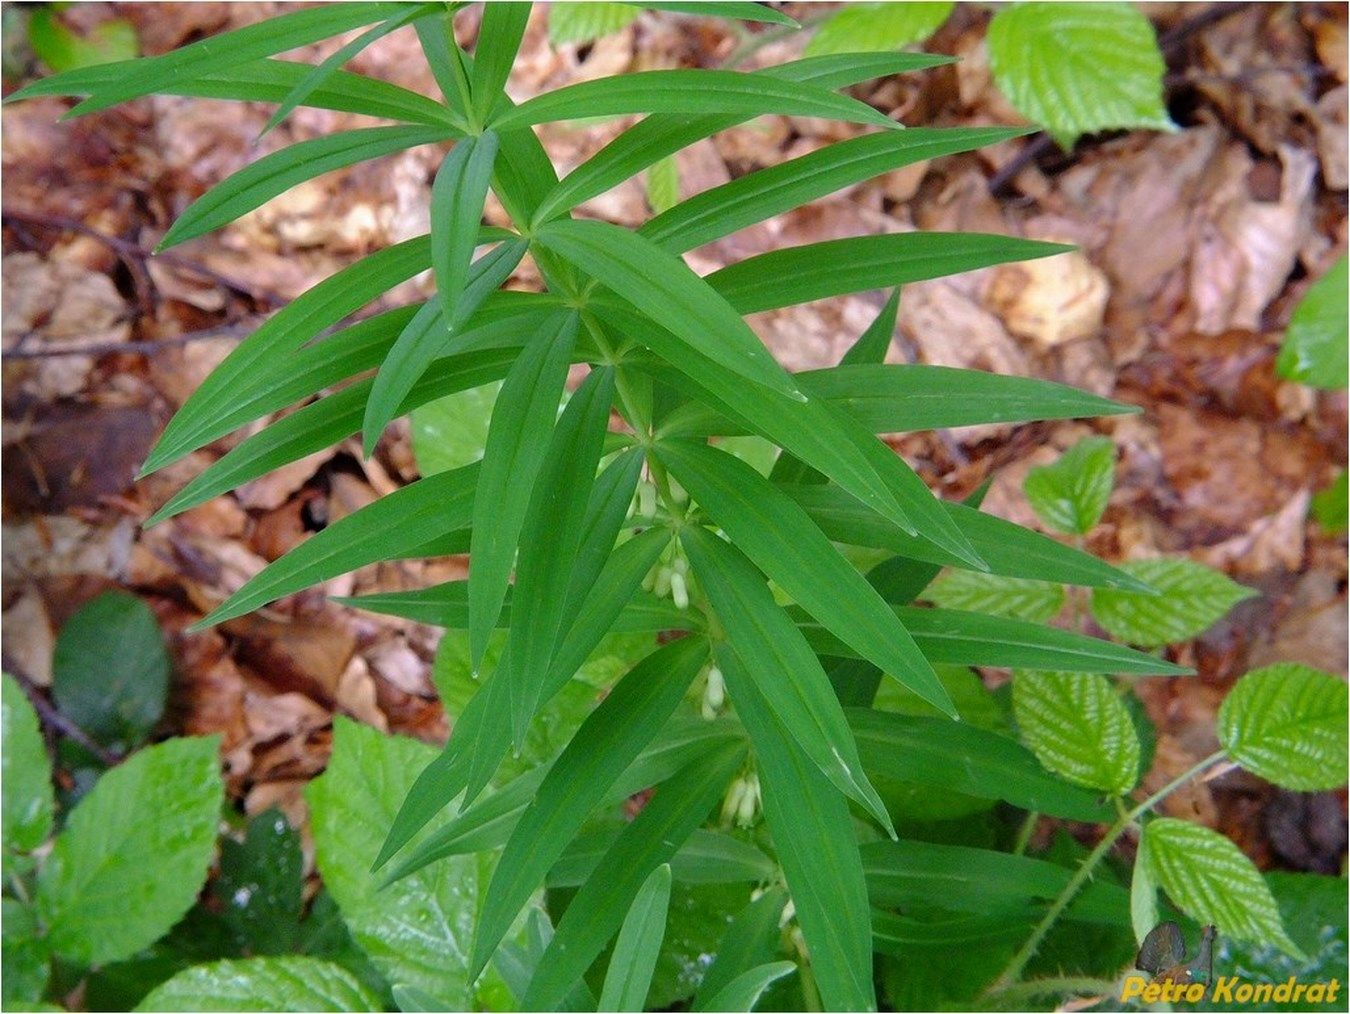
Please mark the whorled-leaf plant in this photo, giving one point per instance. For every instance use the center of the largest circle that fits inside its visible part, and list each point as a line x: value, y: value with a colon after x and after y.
x: 645, y: 523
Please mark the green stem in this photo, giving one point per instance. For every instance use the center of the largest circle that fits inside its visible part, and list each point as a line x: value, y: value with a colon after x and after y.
x: 1014, y: 969
x: 1024, y: 833
x: 1059, y: 987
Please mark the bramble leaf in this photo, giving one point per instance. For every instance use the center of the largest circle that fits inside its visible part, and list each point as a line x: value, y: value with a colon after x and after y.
x: 1017, y: 598
x: 863, y: 27
x: 1287, y: 723
x: 1190, y: 597
x: 1314, y: 349
x: 1071, y: 494
x: 290, y: 982
x: 1078, y: 727
x: 27, y: 774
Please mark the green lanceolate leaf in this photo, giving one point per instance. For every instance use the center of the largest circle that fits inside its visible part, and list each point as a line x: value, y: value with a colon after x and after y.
x: 290, y: 982
x: 549, y: 543
x: 783, y: 542
x: 1143, y: 894
x: 1212, y: 881
x: 1019, y: 598
x: 1071, y: 495
x: 608, y: 741
x: 1079, y: 70
x: 801, y: 274
x: 873, y: 344
x: 688, y: 92
x: 960, y: 757
x: 586, y: 22
x: 447, y: 62
x: 637, y: 945
x: 1190, y: 597
x: 27, y: 774
x: 717, y: 9
x: 394, y: 525
x: 1287, y: 723
x: 1078, y: 727
x: 1314, y: 349
x: 760, y: 195
x: 457, y: 198
x: 744, y: 991
x: 499, y: 36
x: 274, y: 174
x: 766, y: 648
x: 706, y: 857
x: 664, y: 288
x: 813, y: 835
x: 677, y: 807
x: 750, y: 942
x: 146, y: 831
x: 862, y: 27
x: 517, y: 440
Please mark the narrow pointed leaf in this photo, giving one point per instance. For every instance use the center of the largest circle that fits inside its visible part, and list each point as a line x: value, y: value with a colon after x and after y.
x: 749, y: 942
x: 437, y: 37
x: 639, y: 942
x: 706, y: 857
x: 722, y: 9
x: 744, y: 991
x: 457, y: 198
x: 781, y: 539
x: 499, y: 36
x: 771, y: 655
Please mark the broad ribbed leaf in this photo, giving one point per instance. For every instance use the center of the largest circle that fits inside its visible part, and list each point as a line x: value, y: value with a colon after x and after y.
x: 777, y: 660
x: 586, y: 22
x: 959, y: 638
x: 1287, y: 723
x: 518, y: 438
x: 1071, y: 495
x: 780, y: 538
x: 744, y: 991
x: 1015, y: 597
x: 862, y: 27
x: 813, y: 835
x: 688, y: 92
x: 549, y: 542
x: 801, y: 274
x: 320, y: 74
x: 499, y: 35
x: 752, y: 198
x: 1081, y: 69
x: 637, y: 946
x: 274, y: 174
x: 663, y: 288
x: 1209, y: 879
x: 1190, y: 597
x: 1314, y: 349
x: 608, y: 741
x: 659, y: 136
x: 749, y: 942
x: 677, y: 807
x: 27, y: 773
x: 960, y: 757
x: 395, y: 524
x: 1078, y: 727
x: 287, y: 983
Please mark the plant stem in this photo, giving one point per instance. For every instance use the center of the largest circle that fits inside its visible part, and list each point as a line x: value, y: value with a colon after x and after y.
x: 1025, y: 832
x: 1013, y: 972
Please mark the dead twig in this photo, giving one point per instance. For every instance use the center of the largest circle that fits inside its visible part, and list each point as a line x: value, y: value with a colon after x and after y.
x: 148, y: 346
x: 57, y: 723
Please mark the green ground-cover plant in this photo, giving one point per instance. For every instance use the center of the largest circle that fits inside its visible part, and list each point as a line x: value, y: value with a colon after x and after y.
x: 714, y: 594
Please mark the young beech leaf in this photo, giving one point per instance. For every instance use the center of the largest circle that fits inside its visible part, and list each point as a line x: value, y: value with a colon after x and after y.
x: 1071, y: 494
x: 1189, y: 599
x: 146, y: 831
x: 1018, y: 598
x: 1078, y: 727
x: 27, y: 773
x: 861, y: 27
x: 1287, y: 723
x: 1314, y: 349
x: 290, y: 982
x: 637, y: 946
x: 1080, y: 69
x: 1213, y: 882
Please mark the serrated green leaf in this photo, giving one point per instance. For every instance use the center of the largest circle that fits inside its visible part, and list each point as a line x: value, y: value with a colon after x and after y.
x: 1190, y: 598
x: 134, y: 853
x: 769, y: 654
x: 417, y: 931
x: 1071, y: 494
x: 110, y: 670
x: 288, y: 983
x: 1212, y: 881
x: 1036, y: 601
x: 586, y: 22
x: 397, y: 524
x: 499, y: 35
x: 607, y: 742
x: 24, y: 960
x: 813, y: 835
x: 27, y: 773
x: 867, y: 27
x: 782, y: 541
x: 635, y: 949
x: 260, y: 883
x: 959, y: 757
x: 1314, y: 349
x: 749, y: 942
x: 688, y: 92
x: 256, y: 184
x: 678, y: 806
x: 1081, y: 69
x: 1078, y: 727
x: 1287, y: 723
x: 1329, y: 506
x: 517, y: 443
x: 801, y: 274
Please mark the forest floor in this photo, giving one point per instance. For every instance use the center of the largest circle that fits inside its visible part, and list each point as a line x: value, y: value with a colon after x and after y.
x: 1194, y: 248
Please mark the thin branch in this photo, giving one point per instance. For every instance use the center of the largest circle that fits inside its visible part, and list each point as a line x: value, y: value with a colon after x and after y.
x: 56, y: 722
x: 148, y: 346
